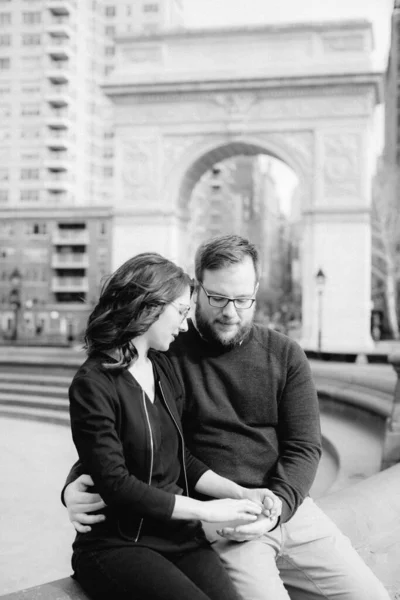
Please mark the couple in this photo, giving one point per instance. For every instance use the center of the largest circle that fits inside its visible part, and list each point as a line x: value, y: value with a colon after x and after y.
x: 249, y: 411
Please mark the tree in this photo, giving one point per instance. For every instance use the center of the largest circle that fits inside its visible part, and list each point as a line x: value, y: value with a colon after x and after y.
x: 386, y: 237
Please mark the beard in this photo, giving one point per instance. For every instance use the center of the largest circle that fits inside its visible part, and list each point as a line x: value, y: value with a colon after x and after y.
x: 212, y: 336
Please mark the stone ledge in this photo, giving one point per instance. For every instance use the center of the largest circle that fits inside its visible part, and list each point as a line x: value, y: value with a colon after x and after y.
x: 368, y: 512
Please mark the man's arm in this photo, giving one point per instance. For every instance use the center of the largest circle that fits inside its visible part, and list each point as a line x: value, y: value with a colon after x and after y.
x: 299, y: 435
x: 80, y: 503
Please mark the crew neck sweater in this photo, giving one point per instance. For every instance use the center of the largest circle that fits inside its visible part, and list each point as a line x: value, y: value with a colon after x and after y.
x: 251, y: 412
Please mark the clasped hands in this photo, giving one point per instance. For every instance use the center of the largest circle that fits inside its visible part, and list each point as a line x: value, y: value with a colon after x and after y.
x: 81, y: 504
x: 267, y: 520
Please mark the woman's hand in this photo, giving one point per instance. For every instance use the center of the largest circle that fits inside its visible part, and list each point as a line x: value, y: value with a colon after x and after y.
x: 221, y: 511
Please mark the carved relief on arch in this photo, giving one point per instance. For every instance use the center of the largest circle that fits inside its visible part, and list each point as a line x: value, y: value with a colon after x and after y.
x: 342, y: 165
x: 138, y: 173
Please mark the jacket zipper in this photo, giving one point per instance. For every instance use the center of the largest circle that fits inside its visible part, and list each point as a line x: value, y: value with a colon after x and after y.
x: 151, y: 456
x: 181, y: 437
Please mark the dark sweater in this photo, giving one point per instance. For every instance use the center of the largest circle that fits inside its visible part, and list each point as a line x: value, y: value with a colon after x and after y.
x: 251, y: 413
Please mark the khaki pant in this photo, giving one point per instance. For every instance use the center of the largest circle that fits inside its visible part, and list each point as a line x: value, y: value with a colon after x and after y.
x: 307, y: 558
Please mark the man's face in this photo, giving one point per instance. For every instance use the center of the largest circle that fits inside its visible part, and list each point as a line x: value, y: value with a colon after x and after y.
x: 226, y: 326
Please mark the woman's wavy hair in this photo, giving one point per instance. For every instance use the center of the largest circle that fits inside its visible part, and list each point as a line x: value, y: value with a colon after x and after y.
x: 131, y: 300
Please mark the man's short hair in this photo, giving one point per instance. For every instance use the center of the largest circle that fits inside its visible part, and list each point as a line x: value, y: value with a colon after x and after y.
x: 224, y: 251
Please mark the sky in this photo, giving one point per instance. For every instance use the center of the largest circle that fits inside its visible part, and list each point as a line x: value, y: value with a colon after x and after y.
x: 225, y: 13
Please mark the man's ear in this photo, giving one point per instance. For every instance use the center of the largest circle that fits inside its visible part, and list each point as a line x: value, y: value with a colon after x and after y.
x: 195, y: 293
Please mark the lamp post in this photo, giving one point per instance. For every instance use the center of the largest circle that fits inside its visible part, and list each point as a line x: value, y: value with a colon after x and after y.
x: 15, y: 299
x: 320, y: 278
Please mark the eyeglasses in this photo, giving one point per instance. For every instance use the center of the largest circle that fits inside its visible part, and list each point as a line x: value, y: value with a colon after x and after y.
x: 218, y: 301
x: 182, y: 309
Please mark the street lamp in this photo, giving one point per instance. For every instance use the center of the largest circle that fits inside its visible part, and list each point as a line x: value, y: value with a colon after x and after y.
x: 15, y: 299
x: 320, y: 278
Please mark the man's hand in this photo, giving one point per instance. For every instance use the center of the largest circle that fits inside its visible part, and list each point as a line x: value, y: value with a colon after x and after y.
x: 251, y: 531
x: 79, y: 502
x: 272, y: 504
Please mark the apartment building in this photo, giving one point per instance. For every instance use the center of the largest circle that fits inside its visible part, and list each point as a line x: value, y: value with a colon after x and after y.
x: 57, y: 153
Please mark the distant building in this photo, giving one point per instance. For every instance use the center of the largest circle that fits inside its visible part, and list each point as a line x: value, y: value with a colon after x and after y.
x: 57, y: 150
x: 392, y: 92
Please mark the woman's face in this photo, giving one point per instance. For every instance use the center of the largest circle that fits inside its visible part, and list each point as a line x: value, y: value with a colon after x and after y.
x: 170, y: 323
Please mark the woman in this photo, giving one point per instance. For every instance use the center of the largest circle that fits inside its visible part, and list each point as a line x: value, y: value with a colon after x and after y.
x: 125, y: 424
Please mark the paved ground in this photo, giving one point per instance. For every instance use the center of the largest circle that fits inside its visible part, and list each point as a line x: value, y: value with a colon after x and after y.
x: 35, y: 534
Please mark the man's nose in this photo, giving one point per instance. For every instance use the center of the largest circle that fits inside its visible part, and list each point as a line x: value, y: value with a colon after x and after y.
x: 229, y: 310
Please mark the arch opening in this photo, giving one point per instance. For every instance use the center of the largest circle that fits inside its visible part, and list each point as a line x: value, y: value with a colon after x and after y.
x: 242, y: 189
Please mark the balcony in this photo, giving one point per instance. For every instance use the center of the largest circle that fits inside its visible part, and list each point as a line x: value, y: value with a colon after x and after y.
x: 59, y: 118
x: 58, y: 182
x: 59, y: 48
x: 59, y: 72
x: 59, y: 139
x: 69, y: 284
x: 72, y: 260
x: 59, y: 95
x: 69, y: 237
x: 57, y: 160
x: 60, y: 27
x: 61, y: 8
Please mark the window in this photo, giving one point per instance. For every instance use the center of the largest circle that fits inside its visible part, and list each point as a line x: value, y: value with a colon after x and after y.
x: 5, y: 18
x: 110, y: 51
x: 108, y: 171
x: 5, y: 64
x: 36, y: 228
x: 111, y: 11
x: 5, y: 40
x: 30, y: 156
x: 31, y: 133
x: 110, y: 30
x: 31, y: 62
x: 4, y: 91
x: 30, y: 110
x: 30, y: 173
x: 5, y: 110
x: 4, y: 175
x: 32, y: 39
x: 3, y: 197
x: 31, y: 17
x: 31, y: 89
x: 150, y: 7
x: 29, y: 195
x: 6, y: 252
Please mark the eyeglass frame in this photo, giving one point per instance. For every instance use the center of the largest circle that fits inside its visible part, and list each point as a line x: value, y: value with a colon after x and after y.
x: 228, y: 299
x: 184, y: 312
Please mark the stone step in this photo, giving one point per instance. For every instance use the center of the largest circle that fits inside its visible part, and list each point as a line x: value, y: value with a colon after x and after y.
x: 35, y: 414
x: 33, y: 402
x: 29, y: 389
x: 36, y: 378
x: 370, y: 400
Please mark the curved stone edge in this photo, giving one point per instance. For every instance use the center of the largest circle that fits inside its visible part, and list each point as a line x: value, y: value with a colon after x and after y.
x: 369, y: 514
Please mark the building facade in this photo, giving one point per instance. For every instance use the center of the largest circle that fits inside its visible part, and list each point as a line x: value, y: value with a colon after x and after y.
x: 57, y: 153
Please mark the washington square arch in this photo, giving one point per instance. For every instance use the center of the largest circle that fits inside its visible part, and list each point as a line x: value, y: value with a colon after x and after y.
x: 305, y: 94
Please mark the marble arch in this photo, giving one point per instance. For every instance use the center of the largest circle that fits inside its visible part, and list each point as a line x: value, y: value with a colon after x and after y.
x: 306, y: 94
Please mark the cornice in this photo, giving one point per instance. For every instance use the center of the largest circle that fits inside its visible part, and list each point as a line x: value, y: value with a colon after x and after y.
x: 274, y: 28
x: 276, y: 86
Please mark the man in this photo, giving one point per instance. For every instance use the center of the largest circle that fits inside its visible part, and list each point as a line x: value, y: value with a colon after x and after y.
x: 251, y: 414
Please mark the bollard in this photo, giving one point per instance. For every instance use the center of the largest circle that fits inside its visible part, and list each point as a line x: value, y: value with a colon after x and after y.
x: 391, y: 443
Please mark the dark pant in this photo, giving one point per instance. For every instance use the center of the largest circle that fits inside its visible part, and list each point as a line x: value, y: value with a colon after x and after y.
x: 142, y: 574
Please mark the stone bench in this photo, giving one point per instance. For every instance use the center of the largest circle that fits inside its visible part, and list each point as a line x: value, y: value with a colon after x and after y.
x: 368, y: 512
